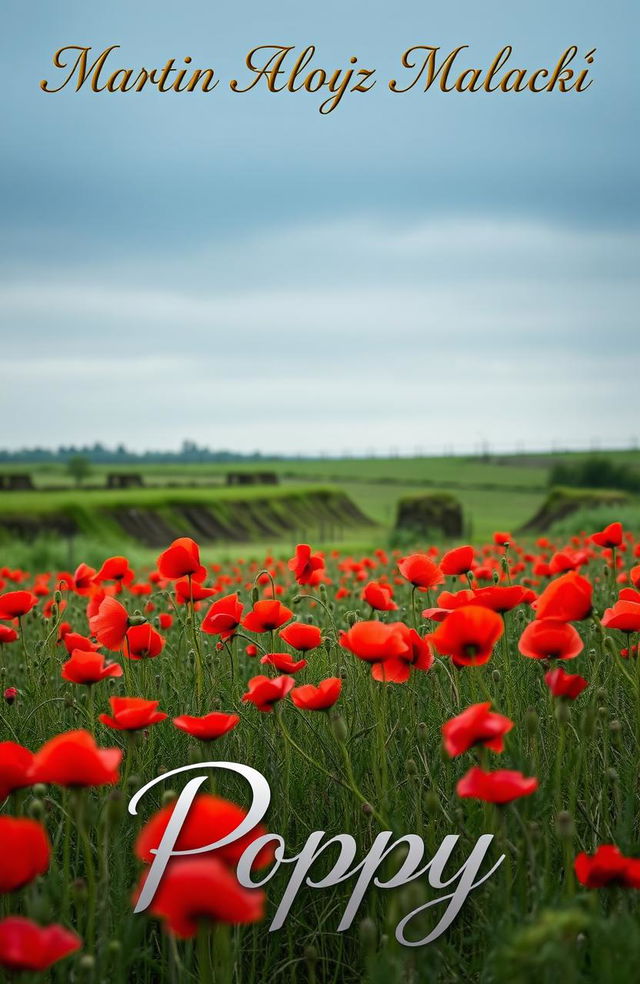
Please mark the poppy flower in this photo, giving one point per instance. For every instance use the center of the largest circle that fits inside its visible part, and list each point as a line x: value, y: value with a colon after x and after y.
x: 420, y: 571
x: 501, y: 786
x: 608, y: 866
x: 625, y: 616
x: 143, y: 642
x: 7, y: 635
x: 416, y: 655
x: 301, y: 636
x: 502, y: 598
x: 563, y: 684
x: 188, y: 591
x: 73, y: 640
x: 110, y: 624
x: 88, y: 668
x: 210, y: 818
x: 457, y: 561
x: 548, y: 638
x: 10, y: 695
x: 15, y: 604
x: 310, y: 698
x: 165, y: 620
x: 284, y: 663
x: 501, y: 538
x: 610, y: 536
x: 202, y: 890
x: 265, y: 692
x: 478, y: 725
x: 74, y: 759
x: 209, y: 726
x: 25, y: 946
x: 265, y: 616
x: 468, y: 635
x: 373, y: 641
x: 115, y: 569
x: 15, y: 768
x: 567, y: 599
x: 223, y: 618
x: 379, y: 596
x: 26, y: 852
x: 305, y: 565
x: 132, y: 713
x: 83, y: 579
x: 181, y: 559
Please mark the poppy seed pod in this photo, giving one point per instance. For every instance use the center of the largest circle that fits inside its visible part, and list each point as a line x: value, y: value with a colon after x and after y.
x: 565, y: 826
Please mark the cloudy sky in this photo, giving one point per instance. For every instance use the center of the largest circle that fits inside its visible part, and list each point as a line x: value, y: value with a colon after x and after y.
x: 423, y: 270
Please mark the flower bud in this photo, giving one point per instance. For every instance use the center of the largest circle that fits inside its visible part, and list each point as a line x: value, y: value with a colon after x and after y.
x: 368, y: 934
x: 565, y: 826
x: 339, y: 728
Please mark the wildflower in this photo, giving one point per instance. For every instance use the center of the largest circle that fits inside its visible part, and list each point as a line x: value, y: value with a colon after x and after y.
x: 608, y: 866
x: 502, y: 786
x: 223, y: 618
x: 74, y: 759
x: 15, y: 604
x: 209, y: 726
x: 110, y: 624
x: 468, y: 635
x: 181, y: 559
x: 284, y: 663
x: 265, y: 616
x: 421, y: 571
x: 132, y: 713
x: 26, y: 852
x: 306, y: 566
x: 15, y: 767
x: 478, y: 725
x: 265, y: 692
x: 549, y: 638
x: 25, y: 946
x: 300, y: 636
x: 563, y: 684
x: 143, y: 642
x: 567, y: 599
x: 88, y: 668
x: 457, y: 561
x: 320, y: 698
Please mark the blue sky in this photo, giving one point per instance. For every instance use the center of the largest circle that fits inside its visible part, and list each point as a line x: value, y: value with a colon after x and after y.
x: 422, y: 270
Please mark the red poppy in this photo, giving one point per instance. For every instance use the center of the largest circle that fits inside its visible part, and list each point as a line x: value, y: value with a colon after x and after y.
x: 478, y: 725
x: 417, y: 655
x: 548, y: 638
x: 457, y: 561
x: 301, y: 636
x: 188, y: 591
x: 26, y: 852
x: 25, y: 946
x: 73, y: 640
x: 610, y: 536
x: 88, y: 668
x: 74, y: 759
x: 223, y: 618
x: 379, y: 596
x: 563, y: 684
x: 15, y: 604
x: 373, y: 641
x: 115, y: 569
x: 501, y: 786
x: 468, y: 635
x: 608, y: 866
x: 265, y: 692
x: 502, y: 598
x: 15, y: 767
x: 181, y: 559
x: 84, y: 579
x: 310, y: 698
x: 10, y: 694
x: 7, y: 635
x: 110, y: 625
x: 132, y: 713
x: 625, y: 616
x: 202, y: 890
x: 265, y: 616
x: 209, y: 819
x: 208, y: 727
x: 567, y: 599
x: 284, y: 663
x: 165, y: 620
x: 143, y: 642
x: 306, y: 566
x: 501, y: 539
x: 420, y: 571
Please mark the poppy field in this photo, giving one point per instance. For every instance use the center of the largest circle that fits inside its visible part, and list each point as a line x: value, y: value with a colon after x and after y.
x: 478, y: 690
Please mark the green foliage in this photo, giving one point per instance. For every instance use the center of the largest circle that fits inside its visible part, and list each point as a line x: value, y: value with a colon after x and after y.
x: 595, y: 472
x: 79, y: 468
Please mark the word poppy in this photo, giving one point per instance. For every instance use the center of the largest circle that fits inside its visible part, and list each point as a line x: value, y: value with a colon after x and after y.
x: 265, y: 616
x: 265, y: 692
x: 501, y: 786
x: 549, y: 638
x: 25, y: 946
x: 74, y: 759
x: 310, y: 698
x: 132, y: 713
x: 478, y: 725
x: 88, y: 668
x: 468, y: 635
x: 26, y: 852
x: 563, y: 684
x: 209, y: 726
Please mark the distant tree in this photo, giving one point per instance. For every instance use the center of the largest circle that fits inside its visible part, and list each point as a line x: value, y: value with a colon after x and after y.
x: 79, y: 467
